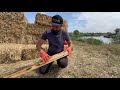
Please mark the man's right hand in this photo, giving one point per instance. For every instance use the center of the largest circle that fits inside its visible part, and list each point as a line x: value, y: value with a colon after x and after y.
x: 44, y: 56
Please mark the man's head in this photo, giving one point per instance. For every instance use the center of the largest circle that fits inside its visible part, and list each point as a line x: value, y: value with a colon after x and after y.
x: 57, y: 22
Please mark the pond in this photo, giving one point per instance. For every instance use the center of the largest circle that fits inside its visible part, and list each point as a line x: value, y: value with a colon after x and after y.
x: 105, y: 40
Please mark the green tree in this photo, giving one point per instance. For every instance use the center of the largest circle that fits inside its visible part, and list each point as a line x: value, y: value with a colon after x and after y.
x: 76, y: 32
x: 116, y: 37
x: 117, y: 30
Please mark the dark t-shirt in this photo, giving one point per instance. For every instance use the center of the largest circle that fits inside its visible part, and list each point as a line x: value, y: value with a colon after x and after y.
x: 56, y: 41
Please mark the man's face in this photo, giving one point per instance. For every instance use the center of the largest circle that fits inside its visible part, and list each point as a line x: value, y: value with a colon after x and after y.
x: 56, y: 28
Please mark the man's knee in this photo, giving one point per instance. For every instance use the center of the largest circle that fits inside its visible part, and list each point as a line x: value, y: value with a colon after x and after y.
x: 63, y: 62
x: 45, y: 69
x: 63, y: 65
x: 42, y: 71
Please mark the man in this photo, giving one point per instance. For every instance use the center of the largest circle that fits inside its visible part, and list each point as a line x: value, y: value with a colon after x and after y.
x: 57, y: 38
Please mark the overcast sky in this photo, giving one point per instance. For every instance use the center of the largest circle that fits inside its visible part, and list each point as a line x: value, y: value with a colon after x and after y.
x: 85, y: 21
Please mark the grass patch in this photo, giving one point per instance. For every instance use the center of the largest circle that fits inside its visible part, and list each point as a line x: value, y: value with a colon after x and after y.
x: 113, y: 48
x: 91, y: 41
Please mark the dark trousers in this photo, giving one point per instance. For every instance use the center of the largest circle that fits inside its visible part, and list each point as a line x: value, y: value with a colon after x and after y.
x: 63, y: 62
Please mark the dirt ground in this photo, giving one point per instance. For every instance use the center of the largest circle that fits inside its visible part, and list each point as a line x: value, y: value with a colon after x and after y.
x: 87, y: 61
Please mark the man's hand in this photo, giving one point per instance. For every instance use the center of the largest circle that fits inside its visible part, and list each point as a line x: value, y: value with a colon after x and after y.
x: 44, y: 56
x: 69, y: 50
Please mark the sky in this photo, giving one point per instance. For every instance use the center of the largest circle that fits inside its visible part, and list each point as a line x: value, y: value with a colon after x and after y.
x: 85, y: 21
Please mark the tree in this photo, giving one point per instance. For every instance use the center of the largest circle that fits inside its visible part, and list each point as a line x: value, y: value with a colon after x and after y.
x: 109, y: 33
x: 76, y: 32
x: 117, y: 30
x: 116, y: 38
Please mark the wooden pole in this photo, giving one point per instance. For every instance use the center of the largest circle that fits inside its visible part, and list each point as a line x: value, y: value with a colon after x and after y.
x: 37, y: 65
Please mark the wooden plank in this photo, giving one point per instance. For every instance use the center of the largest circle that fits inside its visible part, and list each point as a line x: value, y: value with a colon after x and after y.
x: 37, y: 65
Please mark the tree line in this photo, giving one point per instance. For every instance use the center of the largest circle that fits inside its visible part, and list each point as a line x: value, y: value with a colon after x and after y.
x: 75, y: 35
x: 81, y: 34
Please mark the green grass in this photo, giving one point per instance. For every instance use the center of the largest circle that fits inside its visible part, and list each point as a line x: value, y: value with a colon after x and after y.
x: 90, y: 41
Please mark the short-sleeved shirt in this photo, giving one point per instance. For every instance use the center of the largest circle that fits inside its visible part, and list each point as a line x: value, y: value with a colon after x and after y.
x: 56, y: 41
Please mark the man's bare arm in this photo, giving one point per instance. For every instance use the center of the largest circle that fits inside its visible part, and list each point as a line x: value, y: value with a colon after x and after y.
x: 38, y: 45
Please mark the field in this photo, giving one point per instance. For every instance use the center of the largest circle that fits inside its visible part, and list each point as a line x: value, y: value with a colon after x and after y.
x: 86, y: 61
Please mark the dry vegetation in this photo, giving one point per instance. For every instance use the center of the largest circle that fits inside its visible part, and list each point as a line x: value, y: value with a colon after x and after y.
x: 87, y: 61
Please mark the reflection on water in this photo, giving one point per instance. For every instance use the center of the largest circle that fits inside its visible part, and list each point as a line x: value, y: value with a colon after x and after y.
x: 105, y: 40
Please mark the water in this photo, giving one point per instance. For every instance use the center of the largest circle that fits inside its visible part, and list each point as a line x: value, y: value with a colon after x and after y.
x: 105, y: 40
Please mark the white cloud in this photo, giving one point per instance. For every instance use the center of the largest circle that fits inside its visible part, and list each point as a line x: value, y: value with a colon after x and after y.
x: 97, y: 21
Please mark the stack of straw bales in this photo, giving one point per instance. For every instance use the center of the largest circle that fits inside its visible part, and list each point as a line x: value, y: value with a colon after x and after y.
x: 15, y: 29
x: 18, y: 38
x: 12, y: 25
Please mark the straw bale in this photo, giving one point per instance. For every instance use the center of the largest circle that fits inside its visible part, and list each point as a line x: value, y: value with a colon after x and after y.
x: 12, y: 27
x: 36, y: 28
x: 12, y: 21
x: 10, y: 53
x: 30, y: 52
x: 42, y: 19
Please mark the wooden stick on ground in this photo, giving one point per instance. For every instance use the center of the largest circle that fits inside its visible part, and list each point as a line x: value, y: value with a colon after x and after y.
x: 37, y: 65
